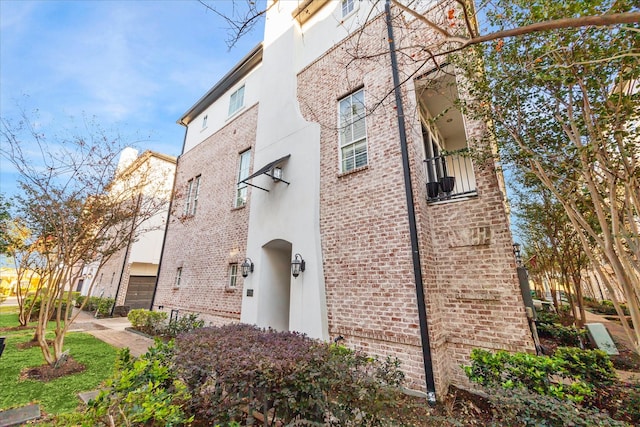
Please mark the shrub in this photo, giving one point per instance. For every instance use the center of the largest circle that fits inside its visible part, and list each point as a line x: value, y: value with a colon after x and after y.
x: 143, y: 391
x: 234, y: 370
x: 37, y: 303
x: 521, y: 407
x: 149, y: 322
x: 100, y: 304
x: 182, y: 325
x: 585, y: 370
x: 566, y: 335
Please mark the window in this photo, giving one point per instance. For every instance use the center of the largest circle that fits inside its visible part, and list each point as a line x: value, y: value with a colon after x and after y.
x: 187, y: 204
x: 353, y: 134
x: 347, y: 7
x: 178, y: 277
x: 204, y: 121
x: 193, y: 191
x: 196, y: 193
x: 233, y: 275
x: 243, y: 172
x: 237, y: 100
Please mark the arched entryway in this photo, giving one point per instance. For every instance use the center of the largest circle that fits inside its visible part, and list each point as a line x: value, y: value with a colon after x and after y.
x: 275, y: 285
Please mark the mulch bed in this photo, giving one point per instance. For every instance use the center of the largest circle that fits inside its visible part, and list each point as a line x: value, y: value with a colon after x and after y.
x: 47, y: 372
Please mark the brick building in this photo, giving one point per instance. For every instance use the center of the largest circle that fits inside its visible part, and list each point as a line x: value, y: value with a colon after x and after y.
x: 296, y: 154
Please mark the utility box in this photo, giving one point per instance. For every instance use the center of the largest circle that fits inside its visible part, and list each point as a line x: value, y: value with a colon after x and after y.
x: 600, y: 338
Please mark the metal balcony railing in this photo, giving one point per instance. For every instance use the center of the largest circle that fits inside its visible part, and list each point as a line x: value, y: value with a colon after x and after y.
x: 450, y: 176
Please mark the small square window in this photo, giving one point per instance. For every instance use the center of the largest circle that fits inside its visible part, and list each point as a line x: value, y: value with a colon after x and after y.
x: 236, y: 101
x: 204, y: 121
x: 233, y: 275
x: 347, y: 7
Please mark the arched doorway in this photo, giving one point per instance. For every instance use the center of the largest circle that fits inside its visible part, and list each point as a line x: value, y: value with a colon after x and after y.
x: 275, y: 283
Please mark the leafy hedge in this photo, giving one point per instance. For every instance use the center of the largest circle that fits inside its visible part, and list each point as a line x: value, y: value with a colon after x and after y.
x: 154, y: 323
x: 584, y: 372
x: 100, y: 304
x: 239, y: 371
x: 37, y: 303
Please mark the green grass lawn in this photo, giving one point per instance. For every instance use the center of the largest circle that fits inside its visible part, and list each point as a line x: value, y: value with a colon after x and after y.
x: 60, y: 395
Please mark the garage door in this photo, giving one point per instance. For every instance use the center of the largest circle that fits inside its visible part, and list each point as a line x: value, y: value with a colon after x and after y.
x: 140, y: 291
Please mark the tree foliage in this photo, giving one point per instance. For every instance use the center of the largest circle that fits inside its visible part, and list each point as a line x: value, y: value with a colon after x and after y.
x: 564, y: 105
x: 78, y: 209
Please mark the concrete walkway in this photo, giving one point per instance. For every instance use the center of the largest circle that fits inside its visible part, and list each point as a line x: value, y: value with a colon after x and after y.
x: 112, y: 331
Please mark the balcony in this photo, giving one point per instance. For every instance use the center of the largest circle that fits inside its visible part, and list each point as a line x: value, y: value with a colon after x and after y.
x: 450, y: 176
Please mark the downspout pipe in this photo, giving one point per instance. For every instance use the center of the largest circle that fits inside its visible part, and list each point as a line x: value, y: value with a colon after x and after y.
x: 166, y: 229
x: 413, y: 231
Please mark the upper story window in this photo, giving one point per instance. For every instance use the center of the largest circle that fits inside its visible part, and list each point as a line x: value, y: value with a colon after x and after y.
x: 347, y: 7
x: 204, y: 121
x: 187, y: 203
x: 193, y: 192
x: 243, y: 172
x: 196, y: 193
x: 236, y: 101
x: 176, y: 283
x: 353, y: 132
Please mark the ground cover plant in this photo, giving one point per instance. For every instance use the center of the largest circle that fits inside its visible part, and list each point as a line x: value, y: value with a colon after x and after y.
x: 573, y: 387
x: 56, y: 395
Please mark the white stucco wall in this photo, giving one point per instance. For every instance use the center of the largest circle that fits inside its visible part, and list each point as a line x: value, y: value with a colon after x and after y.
x: 218, y: 112
x: 286, y: 212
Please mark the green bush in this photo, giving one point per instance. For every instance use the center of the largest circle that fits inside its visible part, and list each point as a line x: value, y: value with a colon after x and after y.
x: 100, y: 304
x: 37, y: 303
x: 584, y: 372
x: 143, y: 391
x: 607, y: 307
x: 182, y: 325
x: 566, y: 335
x: 521, y: 407
x: 149, y: 322
x: 234, y: 370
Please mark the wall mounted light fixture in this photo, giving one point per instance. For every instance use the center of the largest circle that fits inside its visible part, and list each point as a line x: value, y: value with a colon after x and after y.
x: 517, y: 254
x: 297, y: 265
x: 247, y: 267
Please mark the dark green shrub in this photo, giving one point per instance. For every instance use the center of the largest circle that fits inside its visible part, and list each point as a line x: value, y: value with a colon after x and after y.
x: 149, y: 322
x: 143, y: 391
x: 521, y: 407
x: 235, y: 370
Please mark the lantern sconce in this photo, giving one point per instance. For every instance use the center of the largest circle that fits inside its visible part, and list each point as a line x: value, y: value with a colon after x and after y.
x: 247, y: 267
x: 297, y: 265
x: 517, y: 254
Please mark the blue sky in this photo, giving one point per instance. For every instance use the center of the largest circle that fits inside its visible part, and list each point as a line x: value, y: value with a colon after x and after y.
x: 136, y: 66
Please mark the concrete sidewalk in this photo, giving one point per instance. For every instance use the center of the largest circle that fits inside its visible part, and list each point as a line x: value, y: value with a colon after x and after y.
x: 112, y: 331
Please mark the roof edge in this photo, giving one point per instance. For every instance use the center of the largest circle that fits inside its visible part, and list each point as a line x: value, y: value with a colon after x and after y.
x: 246, y: 64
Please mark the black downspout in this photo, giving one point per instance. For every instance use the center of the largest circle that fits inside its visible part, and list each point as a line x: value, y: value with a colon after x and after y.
x: 126, y: 255
x: 417, y: 270
x: 166, y: 229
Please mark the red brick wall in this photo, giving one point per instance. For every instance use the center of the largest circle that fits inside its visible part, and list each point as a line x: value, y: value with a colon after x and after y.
x: 468, y: 271
x: 205, y: 244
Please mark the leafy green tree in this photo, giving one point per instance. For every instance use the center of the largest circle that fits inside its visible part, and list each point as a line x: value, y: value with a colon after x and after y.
x: 564, y: 105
